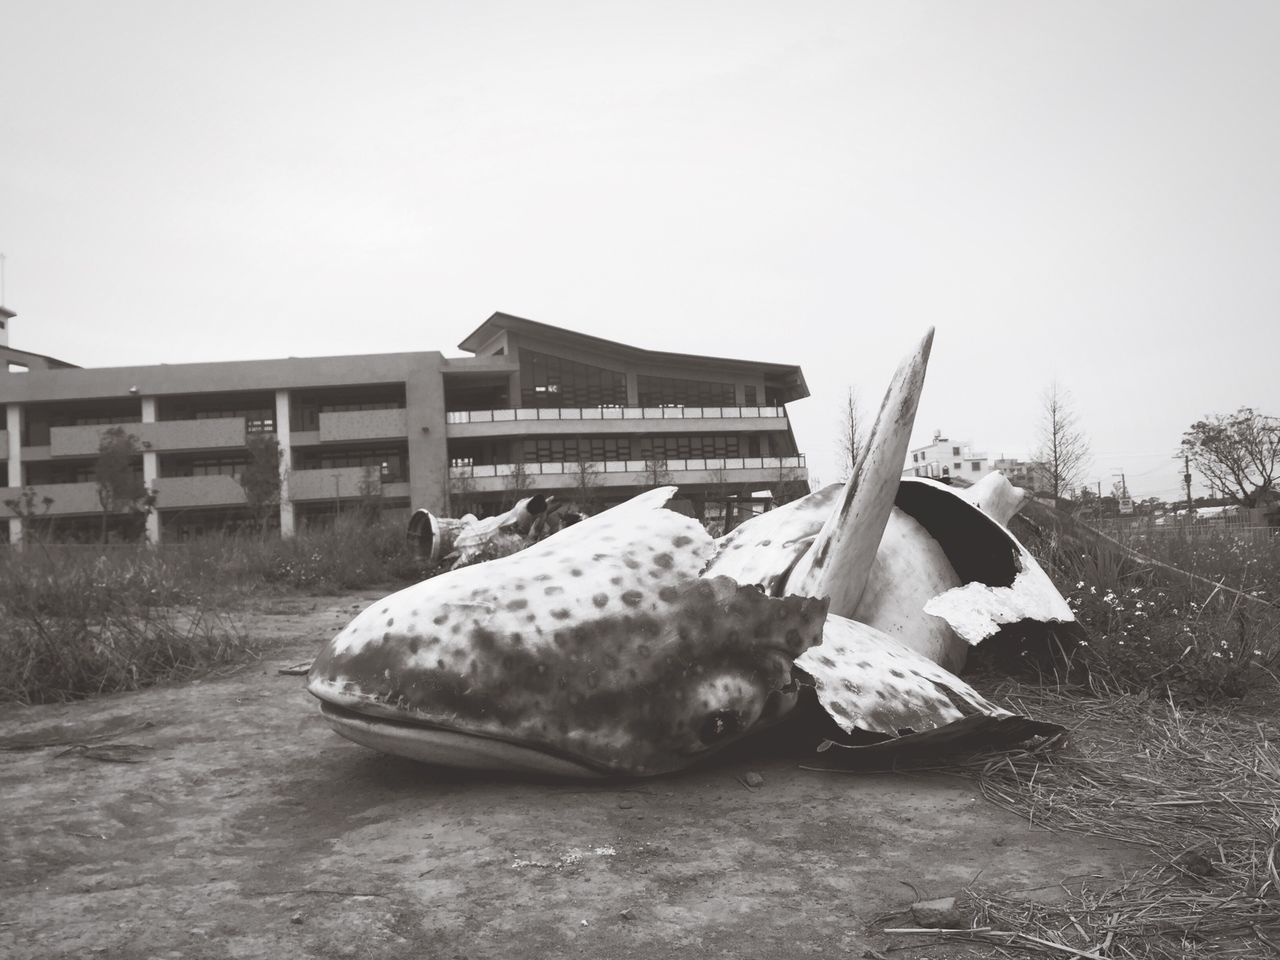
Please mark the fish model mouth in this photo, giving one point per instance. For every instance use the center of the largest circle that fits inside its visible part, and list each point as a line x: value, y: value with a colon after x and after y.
x: 444, y: 746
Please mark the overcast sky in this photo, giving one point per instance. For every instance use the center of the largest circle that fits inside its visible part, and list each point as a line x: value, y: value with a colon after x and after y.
x: 1071, y: 190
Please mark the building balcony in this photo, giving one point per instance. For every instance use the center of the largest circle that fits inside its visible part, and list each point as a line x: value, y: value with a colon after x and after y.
x: 164, y: 436
x: 364, y: 425
x: 523, y: 421
x: 493, y: 478
x: 219, y: 490
x: 337, y: 483
x: 68, y: 498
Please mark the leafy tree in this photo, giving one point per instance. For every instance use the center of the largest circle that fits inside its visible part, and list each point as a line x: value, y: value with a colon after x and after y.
x: 852, y: 434
x: 120, y: 485
x: 1238, y: 453
x: 1064, y: 450
x: 261, y: 479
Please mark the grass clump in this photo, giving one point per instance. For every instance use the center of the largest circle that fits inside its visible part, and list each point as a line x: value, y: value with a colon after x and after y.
x: 350, y: 553
x: 73, y: 629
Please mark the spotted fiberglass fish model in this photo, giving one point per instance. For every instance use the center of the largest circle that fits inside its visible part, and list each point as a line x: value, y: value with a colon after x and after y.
x: 634, y: 644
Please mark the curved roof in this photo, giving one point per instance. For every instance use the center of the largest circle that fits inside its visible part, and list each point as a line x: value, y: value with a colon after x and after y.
x: 788, y: 376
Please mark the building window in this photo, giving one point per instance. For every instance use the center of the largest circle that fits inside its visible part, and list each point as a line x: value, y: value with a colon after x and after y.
x: 672, y: 392
x: 749, y: 395
x: 946, y: 471
x: 955, y: 451
x: 256, y: 420
x: 392, y: 465
x: 975, y: 466
x: 547, y: 381
x: 305, y: 409
x: 574, y: 449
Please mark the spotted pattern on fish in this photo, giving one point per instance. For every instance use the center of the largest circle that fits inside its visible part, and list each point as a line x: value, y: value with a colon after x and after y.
x: 632, y: 663
x: 764, y: 549
x: 633, y: 689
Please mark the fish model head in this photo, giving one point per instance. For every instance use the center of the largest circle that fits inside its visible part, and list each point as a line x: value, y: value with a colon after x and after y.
x: 598, y: 651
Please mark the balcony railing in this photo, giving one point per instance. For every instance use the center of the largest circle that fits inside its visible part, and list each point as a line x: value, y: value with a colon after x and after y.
x: 613, y: 413
x: 630, y: 466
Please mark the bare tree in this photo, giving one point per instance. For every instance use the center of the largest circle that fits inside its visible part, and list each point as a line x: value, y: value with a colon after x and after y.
x: 792, y: 484
x: 30, y: 508
x: 586, y: 481
x: 518, y: 481
x: 852, y: 434
x: 462, y: 490
x: 1064, y: 450
x: 370, y: 493
x: 656, y: 473
x: 1237, y: 452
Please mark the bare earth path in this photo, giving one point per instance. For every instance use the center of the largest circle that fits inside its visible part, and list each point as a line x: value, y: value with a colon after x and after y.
x: 249, y: 830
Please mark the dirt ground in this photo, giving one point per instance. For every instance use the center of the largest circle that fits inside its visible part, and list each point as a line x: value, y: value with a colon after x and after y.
x: 247, y: 829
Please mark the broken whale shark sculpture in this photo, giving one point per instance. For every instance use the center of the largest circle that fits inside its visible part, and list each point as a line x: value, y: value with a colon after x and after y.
x: 633, y: 644
x: 448, y: 543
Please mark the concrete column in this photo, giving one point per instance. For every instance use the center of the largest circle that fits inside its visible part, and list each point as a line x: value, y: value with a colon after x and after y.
x: 428, y: 446
x: 151, y: 471
x: 13, y: 423
x: 633, y: 390
x: 283, y: 434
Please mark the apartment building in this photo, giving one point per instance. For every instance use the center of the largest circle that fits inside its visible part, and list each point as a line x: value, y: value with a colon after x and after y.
x: 942, y: 459
x: 534, y: 407
x: 946, y: 458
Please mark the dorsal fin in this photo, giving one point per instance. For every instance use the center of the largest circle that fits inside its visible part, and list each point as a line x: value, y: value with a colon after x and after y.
x: 839, y: 562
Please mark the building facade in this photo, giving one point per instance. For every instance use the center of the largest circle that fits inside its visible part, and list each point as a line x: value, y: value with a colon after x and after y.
x: 534, y: 408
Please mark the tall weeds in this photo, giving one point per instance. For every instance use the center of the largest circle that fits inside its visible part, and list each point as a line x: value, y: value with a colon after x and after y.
x: 1211, y: 635
x: 77, y: 621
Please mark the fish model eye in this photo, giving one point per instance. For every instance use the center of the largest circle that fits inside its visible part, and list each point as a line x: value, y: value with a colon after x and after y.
x: 719, y: 725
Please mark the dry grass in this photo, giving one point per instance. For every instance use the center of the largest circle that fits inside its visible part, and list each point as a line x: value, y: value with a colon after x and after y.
x: 1200, y: 790
x: 74, y: 630
x: 76, y: 621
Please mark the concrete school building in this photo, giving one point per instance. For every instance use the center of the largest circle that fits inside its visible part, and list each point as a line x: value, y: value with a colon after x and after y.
x: 535, y: 407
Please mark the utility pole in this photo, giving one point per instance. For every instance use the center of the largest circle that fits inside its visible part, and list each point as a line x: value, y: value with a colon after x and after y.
x: 1186, y: 477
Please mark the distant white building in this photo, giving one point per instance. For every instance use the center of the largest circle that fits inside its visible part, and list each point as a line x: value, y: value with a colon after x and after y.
x: 944, y: 458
